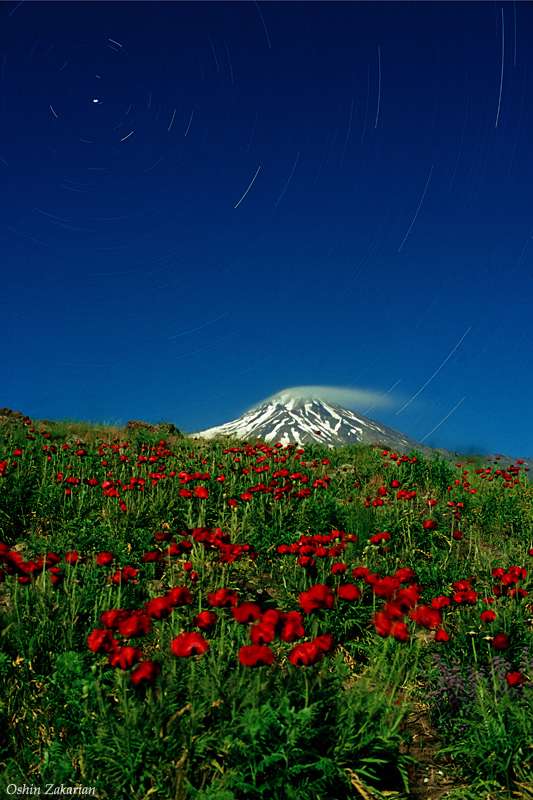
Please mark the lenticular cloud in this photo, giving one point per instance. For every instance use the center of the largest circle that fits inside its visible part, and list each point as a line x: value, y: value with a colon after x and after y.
x: 339, y: 395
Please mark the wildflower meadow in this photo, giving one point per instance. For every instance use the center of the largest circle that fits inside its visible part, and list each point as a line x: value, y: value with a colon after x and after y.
x: 219, y: 620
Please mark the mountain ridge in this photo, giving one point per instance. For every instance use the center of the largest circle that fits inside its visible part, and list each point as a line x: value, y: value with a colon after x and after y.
x: 289, y: 419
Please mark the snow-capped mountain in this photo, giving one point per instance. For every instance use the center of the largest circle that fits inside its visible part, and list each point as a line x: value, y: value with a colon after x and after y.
x: 301, y: 420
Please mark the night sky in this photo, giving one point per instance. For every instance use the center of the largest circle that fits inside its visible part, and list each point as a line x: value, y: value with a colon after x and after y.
x: 205, y: 203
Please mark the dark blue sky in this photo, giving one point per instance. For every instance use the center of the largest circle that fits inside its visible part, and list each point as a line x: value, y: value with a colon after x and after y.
x: 267, y: 195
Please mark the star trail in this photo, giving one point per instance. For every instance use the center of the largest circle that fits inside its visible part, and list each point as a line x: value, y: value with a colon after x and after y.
x: 206, y: 202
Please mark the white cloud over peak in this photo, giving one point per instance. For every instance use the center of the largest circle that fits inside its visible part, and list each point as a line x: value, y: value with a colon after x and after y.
x: 346, y: 397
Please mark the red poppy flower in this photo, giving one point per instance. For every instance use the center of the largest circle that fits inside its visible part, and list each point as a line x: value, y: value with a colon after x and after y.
x: 127, y: 573
x: 393, y: 610
x: 151, y: 556
x: 104, y: 558
x: 262, y: 633
x: 158, y: 607
x: 487, y: 616
x: 468, y: 597
x: 348, y: 591
x: 72, y: 557
x: 29, y: 567
x: 100, y: 640
x: 293, y: 617
x: 56, y: 575
x: 308, y: 562
x: 223, y: 597
x: 407, y: 597
x: 246, y: 612
x: 318, y: 596
x: 255, y: 655
x: 426, y: 616
x: 514, y: 678
x: 517, y: 592
x: 339, y: 568
x: 189, y: 644
x: 293, y: 628
x: 429, y: 524
x: 382, y: 623
x: 377, y: 538
x: 500, y: 641
x: 179, y: 596
x: 205, y: 620
x: 404, y: 574
x: 385, y: 587
x: 360, y: 572
x: 112, y: 617
x: 305, y: 654
x: 400, y: 631
x: 324, y: 642
x: 145, y: 672
x: 441, y: 635
x: 202, y: 492
x: 440, y: 602
x: 463, y: 585
x: 125, y: 657
x: 138, y: 623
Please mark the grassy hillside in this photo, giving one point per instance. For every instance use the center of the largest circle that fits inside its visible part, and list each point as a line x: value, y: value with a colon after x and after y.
x: 188, y: 619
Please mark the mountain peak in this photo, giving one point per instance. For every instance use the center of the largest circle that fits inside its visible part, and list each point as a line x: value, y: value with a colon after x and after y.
x: 293, y: 402
x: 300, y: 416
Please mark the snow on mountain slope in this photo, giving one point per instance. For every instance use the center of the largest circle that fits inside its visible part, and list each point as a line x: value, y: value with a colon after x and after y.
x: 301, y: 420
